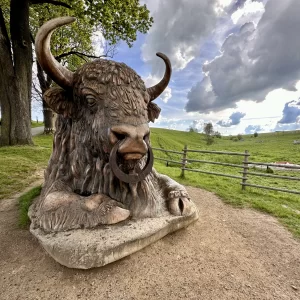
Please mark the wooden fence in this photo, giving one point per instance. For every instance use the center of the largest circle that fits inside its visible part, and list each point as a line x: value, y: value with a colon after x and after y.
x: 185, y: 161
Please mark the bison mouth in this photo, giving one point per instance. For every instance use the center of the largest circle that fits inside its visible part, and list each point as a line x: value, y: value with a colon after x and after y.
x: 134, y: 176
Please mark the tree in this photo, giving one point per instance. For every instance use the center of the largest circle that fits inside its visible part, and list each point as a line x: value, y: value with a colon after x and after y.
x: 192, y: 129
x: 118, y: 20
x: 255, y: 134
x: 239, y: 137
x: 71, y: 46
x: 217, y: 134
x: 208, y: 130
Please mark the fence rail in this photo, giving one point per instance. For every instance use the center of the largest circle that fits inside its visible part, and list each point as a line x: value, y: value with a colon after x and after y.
x: 245, y: 166
x: 274, y: 165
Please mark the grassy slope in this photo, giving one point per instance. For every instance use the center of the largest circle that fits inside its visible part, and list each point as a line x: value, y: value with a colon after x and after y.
x: 270, y: 147
x: 19, y: 164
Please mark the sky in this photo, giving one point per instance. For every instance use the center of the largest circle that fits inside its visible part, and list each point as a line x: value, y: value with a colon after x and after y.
x: 236, y: 63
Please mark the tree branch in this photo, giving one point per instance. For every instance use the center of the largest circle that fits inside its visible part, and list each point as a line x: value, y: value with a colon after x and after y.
x: 80, y: 54
x: 53, y: 2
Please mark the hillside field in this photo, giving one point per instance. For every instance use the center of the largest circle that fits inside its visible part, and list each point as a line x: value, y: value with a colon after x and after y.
x: 19, y: 166
x: 269, y: 148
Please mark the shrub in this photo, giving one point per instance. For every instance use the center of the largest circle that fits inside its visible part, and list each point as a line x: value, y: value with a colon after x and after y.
x: 209, y: 140
x: 218, y: 134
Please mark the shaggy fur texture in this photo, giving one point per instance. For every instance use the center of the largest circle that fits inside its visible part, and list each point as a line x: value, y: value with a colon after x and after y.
x: 80, y: 188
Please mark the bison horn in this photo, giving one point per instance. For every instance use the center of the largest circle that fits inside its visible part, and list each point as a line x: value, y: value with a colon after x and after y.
x: 157, y: 89
x: 59, y: 74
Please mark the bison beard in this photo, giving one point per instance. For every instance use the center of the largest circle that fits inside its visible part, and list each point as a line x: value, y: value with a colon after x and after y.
x: 100, y: 171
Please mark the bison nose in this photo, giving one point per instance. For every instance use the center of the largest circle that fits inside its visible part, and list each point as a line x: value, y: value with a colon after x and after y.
x: 133, y: 140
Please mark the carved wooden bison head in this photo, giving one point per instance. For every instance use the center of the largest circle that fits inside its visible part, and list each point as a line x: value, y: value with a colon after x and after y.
x: 107, y: 103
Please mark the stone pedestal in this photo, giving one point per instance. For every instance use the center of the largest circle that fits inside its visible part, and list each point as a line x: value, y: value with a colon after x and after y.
x: 90, y: 248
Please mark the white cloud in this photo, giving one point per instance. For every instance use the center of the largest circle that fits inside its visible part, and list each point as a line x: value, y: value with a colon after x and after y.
x: 178, y: 31
x: 250, y: 12
x: 99, y: 43
x: 254, y: 61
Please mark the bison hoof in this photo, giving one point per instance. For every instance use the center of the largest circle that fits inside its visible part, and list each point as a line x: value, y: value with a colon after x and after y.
x: 108, y: 211
x: 179, y: 203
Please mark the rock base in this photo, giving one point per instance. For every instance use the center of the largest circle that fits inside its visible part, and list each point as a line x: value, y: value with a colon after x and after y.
x: 90, y: 248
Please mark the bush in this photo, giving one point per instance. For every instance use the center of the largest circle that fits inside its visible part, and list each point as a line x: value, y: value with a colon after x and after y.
x: 255, y: 134
x: 218, y: 134
x: 239, y: 137
x: 209, y: 140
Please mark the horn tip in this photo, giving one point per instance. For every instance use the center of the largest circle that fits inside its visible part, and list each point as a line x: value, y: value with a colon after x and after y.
x: 70, y: 19
x: 164, y: 57
x: 159, y: 54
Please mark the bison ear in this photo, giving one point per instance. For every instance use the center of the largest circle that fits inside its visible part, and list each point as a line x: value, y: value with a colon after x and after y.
x: 60, y: 101
x: 153, y: 111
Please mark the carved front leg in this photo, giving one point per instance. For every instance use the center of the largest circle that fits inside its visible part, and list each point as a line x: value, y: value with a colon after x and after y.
x: 177, y: 198
x: 60, y: 211
x: 179, y: 203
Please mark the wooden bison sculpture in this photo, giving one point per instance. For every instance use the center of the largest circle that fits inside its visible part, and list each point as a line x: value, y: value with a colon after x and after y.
x: 100, y: 171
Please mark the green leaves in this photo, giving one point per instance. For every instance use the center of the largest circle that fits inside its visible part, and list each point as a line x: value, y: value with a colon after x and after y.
x: 119, y: 19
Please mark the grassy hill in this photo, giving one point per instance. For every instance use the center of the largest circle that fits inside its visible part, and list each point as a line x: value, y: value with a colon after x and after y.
x: 270, y: 147
x: 18, y: 166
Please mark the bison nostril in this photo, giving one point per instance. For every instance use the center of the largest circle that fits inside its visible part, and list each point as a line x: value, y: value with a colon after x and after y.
x: 120, y: 136
x: 146, y: 137
x: 181, y: 205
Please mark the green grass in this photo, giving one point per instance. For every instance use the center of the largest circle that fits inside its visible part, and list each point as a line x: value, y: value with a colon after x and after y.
x: 24, y: 202
x: 270, y: 147
x: 18, y: 166
x: 36, y: 124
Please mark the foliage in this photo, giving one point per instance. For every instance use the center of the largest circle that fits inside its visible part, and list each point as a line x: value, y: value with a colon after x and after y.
x: 255, y: 134
x: 209, y: 140
x: 24, y: 202
x: 116, y: 19
x: 193, y: 129
x: 74, y: 37
x: 208, y: 129
x: 120, y: 20
x: 239, y: 137
x: 217, y: 134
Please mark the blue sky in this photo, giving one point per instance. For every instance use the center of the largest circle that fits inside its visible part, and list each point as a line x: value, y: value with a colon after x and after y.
x: 236, y: 63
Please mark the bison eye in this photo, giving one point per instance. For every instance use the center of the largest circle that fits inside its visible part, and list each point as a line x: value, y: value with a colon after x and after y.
x: 91, y: 100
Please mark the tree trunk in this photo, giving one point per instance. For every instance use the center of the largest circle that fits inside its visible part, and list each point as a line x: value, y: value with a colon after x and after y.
x: 8, y: 89
x: 48, y: 119
x: 15, y: 76
x: 47, y: 111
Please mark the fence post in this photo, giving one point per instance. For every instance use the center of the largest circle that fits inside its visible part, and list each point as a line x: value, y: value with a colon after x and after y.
x: 184, y: 156
x: 245, y: 169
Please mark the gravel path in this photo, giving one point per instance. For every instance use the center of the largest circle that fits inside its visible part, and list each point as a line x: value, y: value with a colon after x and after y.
x: 37, y: 130
x: 228, y: 254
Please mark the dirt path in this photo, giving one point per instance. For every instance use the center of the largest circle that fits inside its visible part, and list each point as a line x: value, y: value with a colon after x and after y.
x: 228, y: 254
